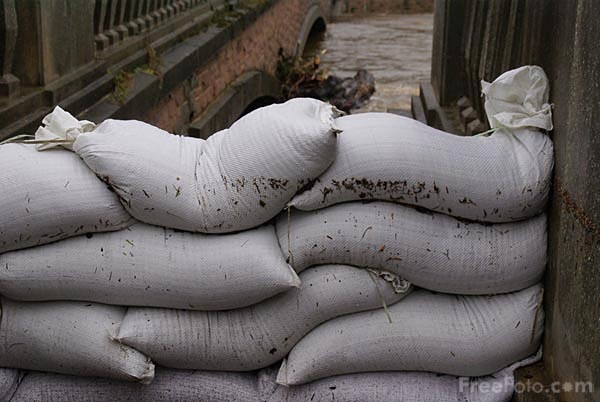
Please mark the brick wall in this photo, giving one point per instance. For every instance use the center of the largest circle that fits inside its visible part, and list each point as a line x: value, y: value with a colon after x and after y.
x: 386, y: 6
x: 254, y: 49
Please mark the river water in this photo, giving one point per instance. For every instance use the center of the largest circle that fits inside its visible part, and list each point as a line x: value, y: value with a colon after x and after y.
x: 396, y: 49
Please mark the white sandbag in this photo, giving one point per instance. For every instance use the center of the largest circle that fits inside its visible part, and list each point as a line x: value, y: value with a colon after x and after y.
x: 259, y: 335
x: 50, y: 196
x: 501, y: 178
x: 184, y: 386
x: 168, y: 386
x: 9, y: 382
x: 519, y: 98
x: 147, y: 265
x: 69, y: 338
x: 237, y: 179
x: 399, y: 386
x: 447, y: 334
x: 430, y: 250
x: 402, y: 386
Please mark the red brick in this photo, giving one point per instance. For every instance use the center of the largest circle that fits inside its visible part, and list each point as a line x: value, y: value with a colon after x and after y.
x: 255, y: 49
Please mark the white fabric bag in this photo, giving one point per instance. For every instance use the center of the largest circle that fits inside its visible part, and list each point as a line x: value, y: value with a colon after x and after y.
x: 168, y: 386
x: 147, y: 265
x: 501, y: 178
x: 237, y: 179
x: 259, y: 335
x: 430, y: 250
x: 519, y: 98
x: 185, y: 386
x: 70, y: 338
x: 50, y: 196
x: 447, y: 334
x: 399, y: 386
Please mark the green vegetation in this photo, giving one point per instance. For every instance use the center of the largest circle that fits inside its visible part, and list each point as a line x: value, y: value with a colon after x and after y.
x: 122, y: 82
x: 221, y: 17
x: 123, y: 79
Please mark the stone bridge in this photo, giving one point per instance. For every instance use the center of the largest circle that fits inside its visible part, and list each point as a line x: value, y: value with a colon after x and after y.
x: 187, y: 66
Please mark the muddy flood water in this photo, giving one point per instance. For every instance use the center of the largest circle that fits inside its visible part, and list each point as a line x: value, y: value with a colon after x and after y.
x: 396, y: 49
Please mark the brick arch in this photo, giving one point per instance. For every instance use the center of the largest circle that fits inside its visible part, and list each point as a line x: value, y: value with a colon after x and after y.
x: 249, y: 91
x: 259, y: 102
x: 247, y: 46
x: 315, y: 17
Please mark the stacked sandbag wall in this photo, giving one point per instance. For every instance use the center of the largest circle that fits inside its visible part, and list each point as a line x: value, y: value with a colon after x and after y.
x: 297, y: 255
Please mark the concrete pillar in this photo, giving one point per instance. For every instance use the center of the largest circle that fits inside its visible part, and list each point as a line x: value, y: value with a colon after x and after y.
x: 571, y: 58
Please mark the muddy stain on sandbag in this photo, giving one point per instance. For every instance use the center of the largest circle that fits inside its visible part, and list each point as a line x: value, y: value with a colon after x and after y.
x: 400, y: 190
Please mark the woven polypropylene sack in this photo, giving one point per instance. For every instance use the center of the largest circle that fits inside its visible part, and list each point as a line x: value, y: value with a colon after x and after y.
x: 168, y: 386
x: 431, y: 250
x: 409, y: 386
x: 237, y: 179
x: 519, y: 98
x: 399, y: 386
x: 70, y: 338
x: 447, y: 334
x: 147, y: 265
x: 51, y: 196
x: 501, y: 178
x: 259, y: 335
x: 183, y: 386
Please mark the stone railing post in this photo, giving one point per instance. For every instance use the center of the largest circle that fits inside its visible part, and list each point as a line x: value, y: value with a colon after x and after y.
x: 100, y: 16
x: 9, y: 84
x: 56, y: 37
x: 121, y: 28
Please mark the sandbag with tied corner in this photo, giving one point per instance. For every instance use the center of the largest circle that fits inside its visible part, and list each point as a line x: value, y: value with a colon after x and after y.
x: 237, y: 179
x: 502, y: 177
